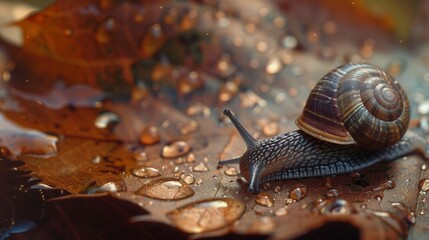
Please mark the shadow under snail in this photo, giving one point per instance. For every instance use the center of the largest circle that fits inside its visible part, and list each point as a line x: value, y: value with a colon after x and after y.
x: 355, y: 116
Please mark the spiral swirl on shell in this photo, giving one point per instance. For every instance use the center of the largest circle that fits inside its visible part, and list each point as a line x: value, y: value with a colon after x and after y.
x: 357, y: 104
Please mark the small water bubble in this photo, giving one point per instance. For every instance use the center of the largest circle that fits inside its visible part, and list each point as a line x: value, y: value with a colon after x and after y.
x: 424, y: 167
x: 273, y: 66
x: 423, y: 107
x: 105, y: 184
x: 333, y: 193
x: 140, y: 155
x: 298, y: 192
x: 96, y: 159
x: 386, y: 185
x: 189, y: 179
x: 227, y: 91
x: 200, y: 168
x: 103, y: 32
x: 289, y: 41
x: 424, y: 184
x: 190, y: 158
x: 335, y: 206
x: 279, y: 22
x: 230, y: 171
x: 150, y: 135
x: 188, y: 127
x: 176, y: 169
x: 264, y: 199
x: 281, y: 211
x: 199, y: 181
x: 175, y: 149
x: 261, y: 46
x: 198, y: 109
x: 277, y: 189
x: 422, y: 212
x: 106, y: 120
x: 152, y: 41
x: 166, y: 189
x: 207, y: 215
x: 146, y: 172
x: 271, y: 129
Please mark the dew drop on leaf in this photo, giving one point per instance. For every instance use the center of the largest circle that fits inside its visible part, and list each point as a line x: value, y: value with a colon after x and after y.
x: 298, y: 192
x: 273, y: 66
x: 189, y: 179
x: 150, y: 135
x: 105, y: 184
x: 146, y: 172
x: 335, y: 206
x: 230, y: 171
x: 264, y: 199
x: 333, y: 193
x: 424, y: 185
x: 166, y: 189
x: 207, y: 215
x: 106, y: 120
x: 140, y: 155
x: 175, y: 149
x: 200, y: 168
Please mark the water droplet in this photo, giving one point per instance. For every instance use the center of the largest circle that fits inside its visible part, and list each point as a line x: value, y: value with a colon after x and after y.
x: 171, y: 16
x: 103, y: 32
x: 250, y: 99
x: 189, y: 83
x: 422, y: 212
x: 230, y: 171
x: 298, y: 192
x: 200, y: 168
x: 199, y: 181
x: 175, y: 149
x: 190, y: 158
x: 68, y: 32
x: 279, y: 22
x: 105, y: 184
x: 106, y: 120
x: 424, y: 167
x: 261, y: 46
x: 264, y: 199
x: 140, y: 155
x: 225, y: 67
x: 96, y: 159
x: 423, y: 107
x: 238, y: 42
x: 166, y: 189
x: 189, y: 179
x: 146, y: 172
x: 189, y: 20
x: 207, y: 215
x: 198, y: 109
x: 273, y: 65
x: 271, y: 129
x: 333, y: 193
x: 386, y: 185
x: 281, y: 211
x: 227, y: 91
x: 150, y: 135
x: 424, y: 184
x: 152, y: 41
x: 289, y: 41
x: 188, y: 127
x: 335, y: 206
x: 277, y: 189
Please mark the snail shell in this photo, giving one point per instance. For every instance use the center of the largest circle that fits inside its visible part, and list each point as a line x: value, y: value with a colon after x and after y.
x: 356, y: 104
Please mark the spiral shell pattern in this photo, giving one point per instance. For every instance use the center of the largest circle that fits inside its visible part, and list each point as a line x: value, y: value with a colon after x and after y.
x: 357, y: 103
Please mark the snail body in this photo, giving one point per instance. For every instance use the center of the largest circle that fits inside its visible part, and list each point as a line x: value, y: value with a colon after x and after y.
x: 339, y: 132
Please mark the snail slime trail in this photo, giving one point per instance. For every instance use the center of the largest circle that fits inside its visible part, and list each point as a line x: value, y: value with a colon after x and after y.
x: 355, y: 116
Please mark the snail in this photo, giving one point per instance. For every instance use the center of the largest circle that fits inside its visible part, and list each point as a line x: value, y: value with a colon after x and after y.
x: 355, y: 116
